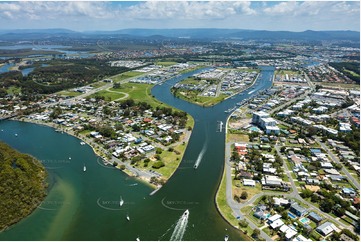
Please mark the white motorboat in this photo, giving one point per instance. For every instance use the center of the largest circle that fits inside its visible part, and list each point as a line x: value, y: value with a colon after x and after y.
x: 121, y: 202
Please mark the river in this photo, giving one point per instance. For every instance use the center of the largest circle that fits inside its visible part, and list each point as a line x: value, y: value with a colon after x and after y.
x: 85, y: 205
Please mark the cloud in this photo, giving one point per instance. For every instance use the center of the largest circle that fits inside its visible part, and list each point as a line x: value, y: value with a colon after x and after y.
x: 189, y: 10
x: 90, y: 15
x: 281, y: 8
x: 312, y: 8
x: 56, y: 10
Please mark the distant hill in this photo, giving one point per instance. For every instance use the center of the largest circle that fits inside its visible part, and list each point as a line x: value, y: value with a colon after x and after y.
x: 201, y: 33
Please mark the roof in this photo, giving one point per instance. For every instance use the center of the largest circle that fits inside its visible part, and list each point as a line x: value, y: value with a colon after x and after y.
x: 274, y: 217
x: 297, y: 207
x: 277, y: 223
x: 249, y: 182
x: 315, y: 216
x: 326, y: 228
x: 290, y: 233
x: 301, y: 238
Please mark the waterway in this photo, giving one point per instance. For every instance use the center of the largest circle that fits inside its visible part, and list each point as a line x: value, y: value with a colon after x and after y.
x: 62, y: 49
x: 85, y: 205
x: 26, y: 71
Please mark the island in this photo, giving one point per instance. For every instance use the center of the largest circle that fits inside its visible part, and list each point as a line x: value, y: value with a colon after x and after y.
x: 23, y: 185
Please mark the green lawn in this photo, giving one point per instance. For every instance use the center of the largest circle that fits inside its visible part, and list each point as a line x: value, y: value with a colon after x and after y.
x: 226, y: 211
x: 98, y: 84
x: 109, y: 96
x: 191, y: 69
x: 342, y: 85
x: 170, y: 161
x: 284, y: 72
x: 139, y: 92
x: 125, y: 75
x: 166, y: 63
x: 69, y: 93
x: 237, y: 138
x: 238, y: 188
x: 222, y: 204
x: 13, y: 90
x: 189, y: 80
x: 192, y: 97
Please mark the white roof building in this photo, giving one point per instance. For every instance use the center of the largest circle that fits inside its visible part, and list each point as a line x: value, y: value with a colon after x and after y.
x: 277, y: 223
x: 300, y: 237
x: 274, y: 217
x: 326, y: 228
x: 249, y: 182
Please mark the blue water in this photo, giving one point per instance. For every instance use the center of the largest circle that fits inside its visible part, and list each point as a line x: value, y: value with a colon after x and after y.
x: 25, y: 72
x: 79, y: 194
x: 291, y: 215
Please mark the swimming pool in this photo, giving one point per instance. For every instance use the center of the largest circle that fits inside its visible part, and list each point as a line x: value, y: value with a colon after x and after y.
x: 304, y: 220
x: 254, y: 129
x: 291, y: 215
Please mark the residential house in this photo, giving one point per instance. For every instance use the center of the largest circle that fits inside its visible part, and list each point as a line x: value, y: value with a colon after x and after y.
x: 315, y: 217
x: 248, y: 182
x: 326, y: 228
x: 298, y: 210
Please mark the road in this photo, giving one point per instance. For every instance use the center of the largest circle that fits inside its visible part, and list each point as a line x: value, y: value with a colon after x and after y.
x: 336, y: 160
x: 236, y: 207
x: 303, y: 96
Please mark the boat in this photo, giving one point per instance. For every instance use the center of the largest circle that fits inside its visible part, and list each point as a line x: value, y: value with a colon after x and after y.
x: 195, y: 166
x: 128, y: 218
x: 69, y: 158
x: 84, y: 168
x: 82, y: 143
x: 226, y: 237
x: 138, y: 238
x: 16, y: 134
x: 121, y: 202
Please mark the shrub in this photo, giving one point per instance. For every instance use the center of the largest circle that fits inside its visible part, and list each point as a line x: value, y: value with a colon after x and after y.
x: 158, y: 164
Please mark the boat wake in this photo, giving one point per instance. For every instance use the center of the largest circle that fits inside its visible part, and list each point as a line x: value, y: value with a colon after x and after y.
x: 180, y: 227
x: 200, y: 156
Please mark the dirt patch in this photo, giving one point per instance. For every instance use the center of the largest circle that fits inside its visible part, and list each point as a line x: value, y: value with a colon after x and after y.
x: 312, y: 188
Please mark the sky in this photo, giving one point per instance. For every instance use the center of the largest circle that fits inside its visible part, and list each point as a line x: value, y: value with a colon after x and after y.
x: 110, y: 15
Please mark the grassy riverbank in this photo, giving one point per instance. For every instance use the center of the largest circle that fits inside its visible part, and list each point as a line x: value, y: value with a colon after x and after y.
x: 226, y: 211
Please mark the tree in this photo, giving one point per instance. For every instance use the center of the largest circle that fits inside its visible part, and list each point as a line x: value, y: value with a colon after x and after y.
x: 326, y: 205
x: 56, y: 112
x: 243, y: 223
x: 306, y: 193
x: 158, y: 164
x: 256, y: 233
x: 284, y: 215
x: 158, y: 151
x: 136, y: 128
x: 135, y: 159
x: 244, y: 195
x: 235, y: 156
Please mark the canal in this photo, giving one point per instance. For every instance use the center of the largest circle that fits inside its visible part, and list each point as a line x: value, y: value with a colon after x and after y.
x: 85, y: 205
